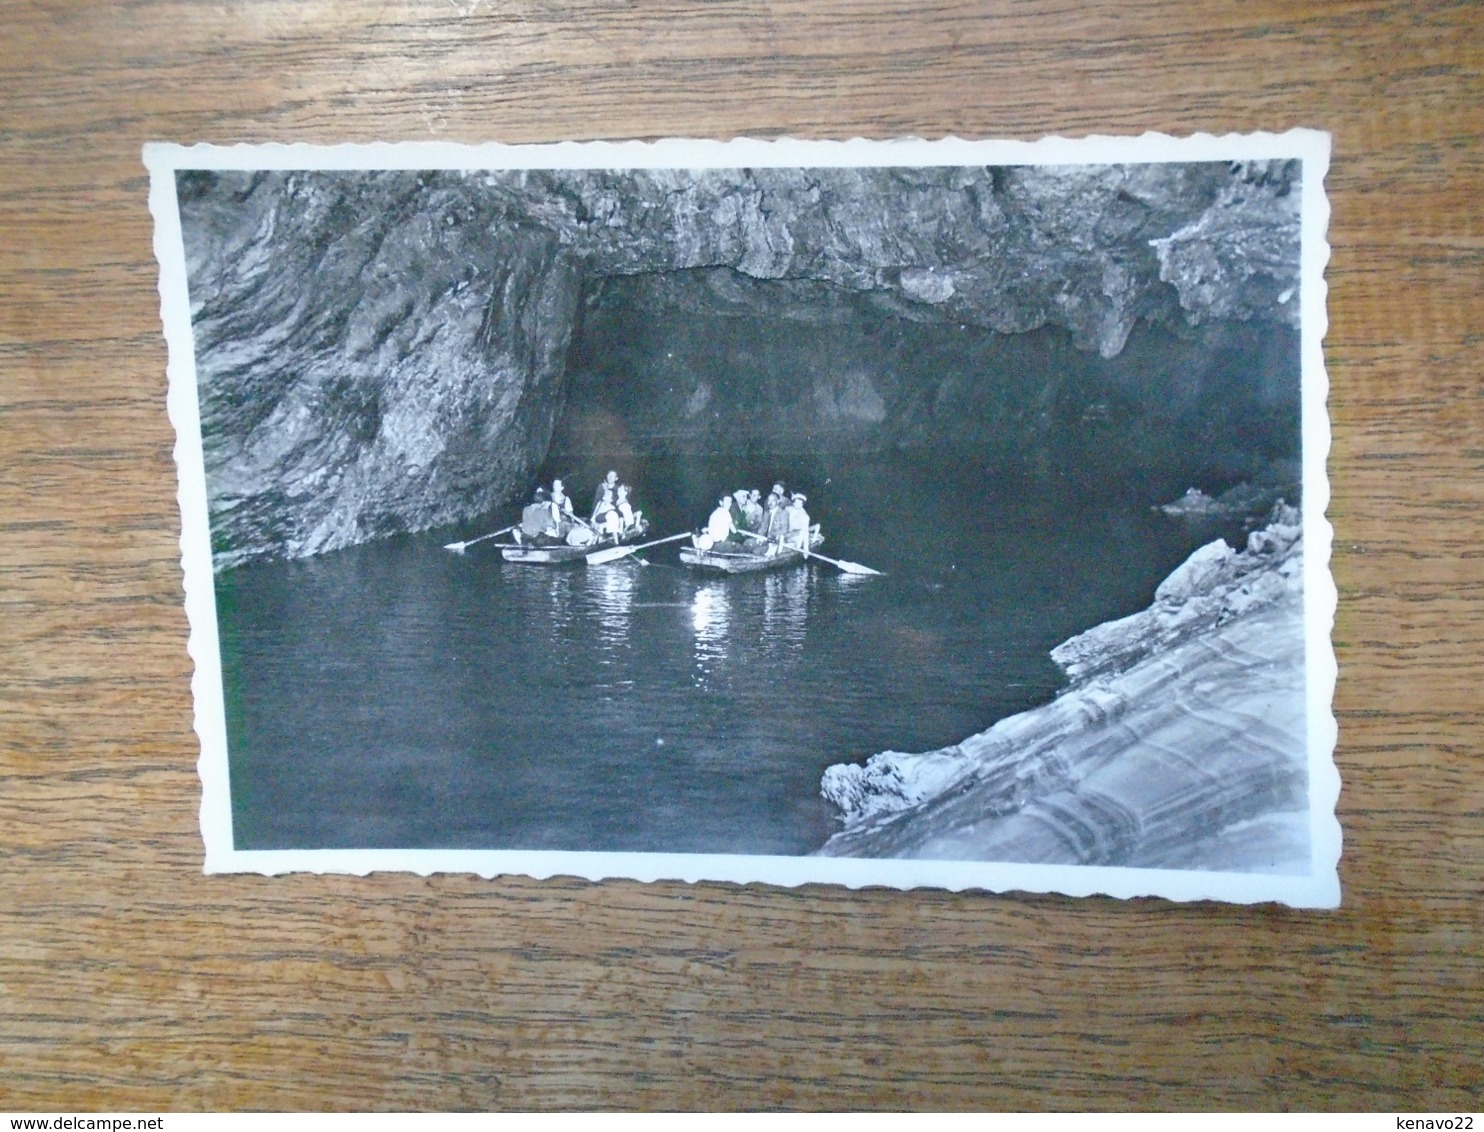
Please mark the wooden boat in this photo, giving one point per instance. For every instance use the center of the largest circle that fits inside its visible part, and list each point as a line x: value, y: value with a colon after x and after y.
x: 556, y: 553
x: 739, y: 558
x: 552, y: 555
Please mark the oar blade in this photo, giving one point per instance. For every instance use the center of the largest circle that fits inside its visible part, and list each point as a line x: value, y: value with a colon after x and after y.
x: 456, y: 547
x: 612, y: 554
x: 857, y: 568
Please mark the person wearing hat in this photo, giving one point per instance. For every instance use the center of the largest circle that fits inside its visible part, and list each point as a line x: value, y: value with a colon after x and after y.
x: 796, y: 523
x: 535, y: 519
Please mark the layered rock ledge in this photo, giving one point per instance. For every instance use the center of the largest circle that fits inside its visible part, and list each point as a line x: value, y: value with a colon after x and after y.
x: 1180, y: 741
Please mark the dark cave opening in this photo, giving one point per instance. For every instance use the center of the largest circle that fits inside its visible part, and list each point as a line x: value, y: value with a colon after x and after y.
x: 711, y: 364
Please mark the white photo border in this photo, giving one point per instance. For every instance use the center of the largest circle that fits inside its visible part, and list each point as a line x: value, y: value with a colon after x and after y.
x: 1320, y: 888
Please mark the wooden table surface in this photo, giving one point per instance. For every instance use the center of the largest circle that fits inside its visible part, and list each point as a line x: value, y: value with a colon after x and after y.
x: 128, y: 980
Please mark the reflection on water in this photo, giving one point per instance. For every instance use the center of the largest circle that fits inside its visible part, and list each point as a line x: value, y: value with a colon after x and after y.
x: 610, y: 592
x: 751, y: 620
x: 785, y: 608
x: 396, y: 695
x: 709, y: 615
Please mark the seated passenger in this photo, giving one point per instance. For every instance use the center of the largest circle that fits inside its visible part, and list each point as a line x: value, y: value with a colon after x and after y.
x: 752, y: 511
x: 719, y: 527
x: 797, y: 523
x: 563, y: 518
x: 771, y: 525
x: 535, y: 520
x: 630, y: 519
x: 606, y: 518
x: 608, y: 487
x: 738, y: 507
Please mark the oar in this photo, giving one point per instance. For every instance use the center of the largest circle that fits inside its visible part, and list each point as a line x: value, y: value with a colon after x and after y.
x: 459, y: 547
x: 614, y: 553
x: 848, y: 567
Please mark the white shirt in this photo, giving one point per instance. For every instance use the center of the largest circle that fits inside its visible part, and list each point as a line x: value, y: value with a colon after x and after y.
x: 798, y: 527
x: 719, y: 526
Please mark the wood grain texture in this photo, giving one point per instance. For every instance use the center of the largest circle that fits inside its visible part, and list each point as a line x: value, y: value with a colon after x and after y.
x: 130, y: 981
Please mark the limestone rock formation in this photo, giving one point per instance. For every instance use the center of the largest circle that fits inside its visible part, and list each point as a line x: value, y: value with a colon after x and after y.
x: 371, y: 356
x: 1179, y: 743
x: 379, y: 352
x: 1243, y: 499
x: 1236, y: 259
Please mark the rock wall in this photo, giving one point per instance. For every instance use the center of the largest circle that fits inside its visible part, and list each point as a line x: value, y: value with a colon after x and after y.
x: 1180, y: 742
x: 1092, y: 249
x: 385, y: 352
x: 372, y: 356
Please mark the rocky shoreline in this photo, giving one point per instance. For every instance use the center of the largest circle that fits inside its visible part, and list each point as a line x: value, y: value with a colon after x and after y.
x: 1178, y: 743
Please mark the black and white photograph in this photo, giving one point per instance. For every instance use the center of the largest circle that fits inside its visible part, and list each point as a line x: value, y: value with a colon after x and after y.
x: 941, y: 513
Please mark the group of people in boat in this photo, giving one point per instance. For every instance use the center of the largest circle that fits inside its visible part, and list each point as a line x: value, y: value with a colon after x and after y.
x: 551, y: 518
x: 742, y: 521
x: 763, y: 526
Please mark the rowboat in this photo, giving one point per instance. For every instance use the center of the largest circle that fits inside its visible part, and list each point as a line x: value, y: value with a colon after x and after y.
x: 554, y: 554
x: 738, y: 558
x: 545, y: 555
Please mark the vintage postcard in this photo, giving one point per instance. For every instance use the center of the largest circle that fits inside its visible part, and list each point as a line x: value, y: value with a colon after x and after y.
x: 913, y: 513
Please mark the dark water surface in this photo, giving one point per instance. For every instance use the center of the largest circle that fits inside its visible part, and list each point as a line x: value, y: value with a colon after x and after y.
x: 397, y: 695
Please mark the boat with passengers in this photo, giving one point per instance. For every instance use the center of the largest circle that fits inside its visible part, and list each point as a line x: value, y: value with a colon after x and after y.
x: 708, y: 557
x: 555, y: 553
x: 550, y: 532
x: 743, y: 537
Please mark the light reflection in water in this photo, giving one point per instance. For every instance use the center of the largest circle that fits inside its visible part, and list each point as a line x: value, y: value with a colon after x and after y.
x: 563, y: 608
x: 548, y: 589
x: 711, y: 616
x: 611, y: 591
x: 785, y: 608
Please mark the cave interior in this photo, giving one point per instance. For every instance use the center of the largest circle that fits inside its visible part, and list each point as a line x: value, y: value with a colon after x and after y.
x: 779, y: 379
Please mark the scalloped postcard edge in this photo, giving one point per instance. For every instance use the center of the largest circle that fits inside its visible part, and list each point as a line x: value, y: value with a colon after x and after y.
x: 1320, y: 888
